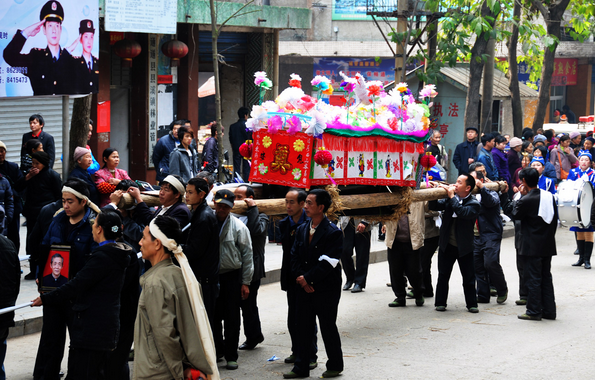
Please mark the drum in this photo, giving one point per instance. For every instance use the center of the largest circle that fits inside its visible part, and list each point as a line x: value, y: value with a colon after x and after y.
x: 575, y: 199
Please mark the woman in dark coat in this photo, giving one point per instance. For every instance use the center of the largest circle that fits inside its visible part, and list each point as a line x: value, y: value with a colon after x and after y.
x: 95, y: 296
x: 82, y: 161
x: 41, y: 186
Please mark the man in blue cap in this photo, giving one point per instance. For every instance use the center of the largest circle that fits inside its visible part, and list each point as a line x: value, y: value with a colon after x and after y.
x: 46, y: 68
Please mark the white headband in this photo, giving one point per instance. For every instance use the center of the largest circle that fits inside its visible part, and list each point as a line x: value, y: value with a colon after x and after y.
x: 167, y: 242
x: 177, y: 184
x: 73, y: 191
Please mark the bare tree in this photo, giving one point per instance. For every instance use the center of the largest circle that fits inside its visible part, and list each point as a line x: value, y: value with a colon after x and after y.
x: 79, y: 125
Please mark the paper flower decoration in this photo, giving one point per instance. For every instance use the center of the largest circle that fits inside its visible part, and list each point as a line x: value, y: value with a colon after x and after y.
x: 297, y: 174
x: 259, y: 77
x: 295, y: 81
x: 428, y: 161
x: 323, y: 157
x: 246, y: 149
x: 295, y: 125
x: 298, y: 145
x: 429, y: 91
x: 328, y: 91
x: 402, y: 87
x: 263, y: 169
x: 317, y: 124
x: 266, y: 141
x: 275, y: 124
x: 306, y: 103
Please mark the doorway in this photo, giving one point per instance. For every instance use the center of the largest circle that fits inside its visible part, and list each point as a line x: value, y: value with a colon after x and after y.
x: 120, y: 125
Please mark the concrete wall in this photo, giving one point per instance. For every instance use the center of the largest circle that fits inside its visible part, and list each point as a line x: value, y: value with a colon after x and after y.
x: 303, y: 66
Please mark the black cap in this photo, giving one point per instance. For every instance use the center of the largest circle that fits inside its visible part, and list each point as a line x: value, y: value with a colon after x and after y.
x: 42, y: 157
x: 52, y: 11
x: 86, y: 26
x: 225, y: 196
x: 474, y: 128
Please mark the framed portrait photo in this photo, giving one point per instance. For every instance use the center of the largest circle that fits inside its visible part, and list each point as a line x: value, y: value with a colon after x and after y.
x: 56, y: 271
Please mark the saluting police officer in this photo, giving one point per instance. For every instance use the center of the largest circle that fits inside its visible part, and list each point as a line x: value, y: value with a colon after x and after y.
x: 87, y: 66
x: 49, y: 68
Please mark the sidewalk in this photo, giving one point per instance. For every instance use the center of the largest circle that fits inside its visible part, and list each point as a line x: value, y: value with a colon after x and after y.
x: 29, y: 320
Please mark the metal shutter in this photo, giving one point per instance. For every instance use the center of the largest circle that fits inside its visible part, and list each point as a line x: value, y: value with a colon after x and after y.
x: 14, y: 122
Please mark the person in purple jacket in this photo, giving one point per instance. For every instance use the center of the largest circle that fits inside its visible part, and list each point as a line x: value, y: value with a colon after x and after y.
x: 500, y: 158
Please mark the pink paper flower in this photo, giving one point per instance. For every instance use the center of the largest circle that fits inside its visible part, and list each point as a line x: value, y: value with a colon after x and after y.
x: 295, y: 125
x: 259, y: 77
x: 275, y: 124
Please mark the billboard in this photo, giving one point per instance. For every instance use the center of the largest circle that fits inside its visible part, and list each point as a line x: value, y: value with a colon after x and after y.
x: 49, y: 47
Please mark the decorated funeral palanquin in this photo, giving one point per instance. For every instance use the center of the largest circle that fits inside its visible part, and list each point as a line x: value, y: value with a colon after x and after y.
x: 301, y: 141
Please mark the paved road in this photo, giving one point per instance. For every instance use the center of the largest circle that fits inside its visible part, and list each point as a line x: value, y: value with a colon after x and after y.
x: 419, y: 342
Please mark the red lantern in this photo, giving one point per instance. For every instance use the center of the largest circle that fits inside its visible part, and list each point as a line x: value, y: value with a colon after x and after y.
x: 175, y: 50
x: 127, y: 49
x: 428, y: 161
x: 323, y: 157
x: 246, y: 150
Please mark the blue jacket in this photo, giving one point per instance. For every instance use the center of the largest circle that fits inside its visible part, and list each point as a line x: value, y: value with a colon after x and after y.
x: 78, y: 172
x: 463, y: 152
x: 487, y: 160
x: 80, y: 239
x: 550, y: 170
x: 182, y: 164
x: 501, y: 163
x: 161, y: 153
x: 94, y: 166
x: 547, y: 184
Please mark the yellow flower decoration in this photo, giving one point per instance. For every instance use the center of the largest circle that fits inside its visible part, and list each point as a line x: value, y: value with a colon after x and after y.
x: 328, y: 91
x: 266, y: 141
x: 426, y: 122
x: 298, y: 145
x: 402, y: 87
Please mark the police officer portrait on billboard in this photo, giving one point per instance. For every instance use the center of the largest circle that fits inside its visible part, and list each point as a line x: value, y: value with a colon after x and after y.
x: 53, y: 65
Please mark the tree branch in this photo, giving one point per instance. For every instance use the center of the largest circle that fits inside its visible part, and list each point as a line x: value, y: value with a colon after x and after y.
x: 236, y: 13
x: 542, y: 9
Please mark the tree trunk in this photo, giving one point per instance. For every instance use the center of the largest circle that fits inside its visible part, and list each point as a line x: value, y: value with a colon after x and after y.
x: 513, y: 74
x: 475, y: 73
x: 79, y: 126
x: 214, y: 37
x: 553, y: 16
x: 487, y: 98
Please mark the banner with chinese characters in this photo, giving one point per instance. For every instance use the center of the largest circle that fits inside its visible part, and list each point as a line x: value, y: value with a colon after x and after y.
x: 152, y: 80
x: 49, y: 47
x: 281, y: 158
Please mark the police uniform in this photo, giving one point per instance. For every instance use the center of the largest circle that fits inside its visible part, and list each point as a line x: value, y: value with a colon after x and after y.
x: 87, y: 73
x: 48, y: 75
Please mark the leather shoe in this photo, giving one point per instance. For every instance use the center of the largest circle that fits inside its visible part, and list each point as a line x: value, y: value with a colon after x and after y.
x: 587, y: 265
x: 250, y: 345
x: 528, y: 317
x: 293, y: 375
x: 327, y: 374
x: 356, y: 289
x: 348, y: 285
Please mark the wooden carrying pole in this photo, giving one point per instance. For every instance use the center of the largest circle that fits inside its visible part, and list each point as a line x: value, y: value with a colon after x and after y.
x: 277, y: 206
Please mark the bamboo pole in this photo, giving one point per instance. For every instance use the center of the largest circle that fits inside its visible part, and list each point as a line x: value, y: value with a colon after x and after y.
x: 277, y: 206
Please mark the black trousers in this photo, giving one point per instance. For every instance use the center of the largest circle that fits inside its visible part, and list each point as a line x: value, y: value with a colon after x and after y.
x: 427, y: 252
x: 446, y: 261
x: 488, y: 271
x: 210, y: 293
x: 361, y: 242
x: 13, y: 231
x: 293, y: 316
x: 116, y: 366
x: 540, y: 286
x: 402, y: 259
x: 520, y: 267
x: 228, y: 312
x: 250, y: 316
x: 52, y: 341
x: 86, y: 364
x: 241, y: 166
x: 323, y: 305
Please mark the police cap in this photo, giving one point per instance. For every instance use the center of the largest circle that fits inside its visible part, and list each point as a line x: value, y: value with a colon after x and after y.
x: 52, y: 11
x: 86, y: 26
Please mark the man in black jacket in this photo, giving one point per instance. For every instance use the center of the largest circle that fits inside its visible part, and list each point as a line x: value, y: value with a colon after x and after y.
x: 36, y: 123
x: 171, y: 197
x: 315, y: 266
x: 202, y: 245
x: 10, y: 282
x: 538, y: 215
x: 257, y: 224
x: 488, y: 238
x: 296, y: 216
x: 237, y: 136
x: 461, y: 210
x: 466, y: 151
